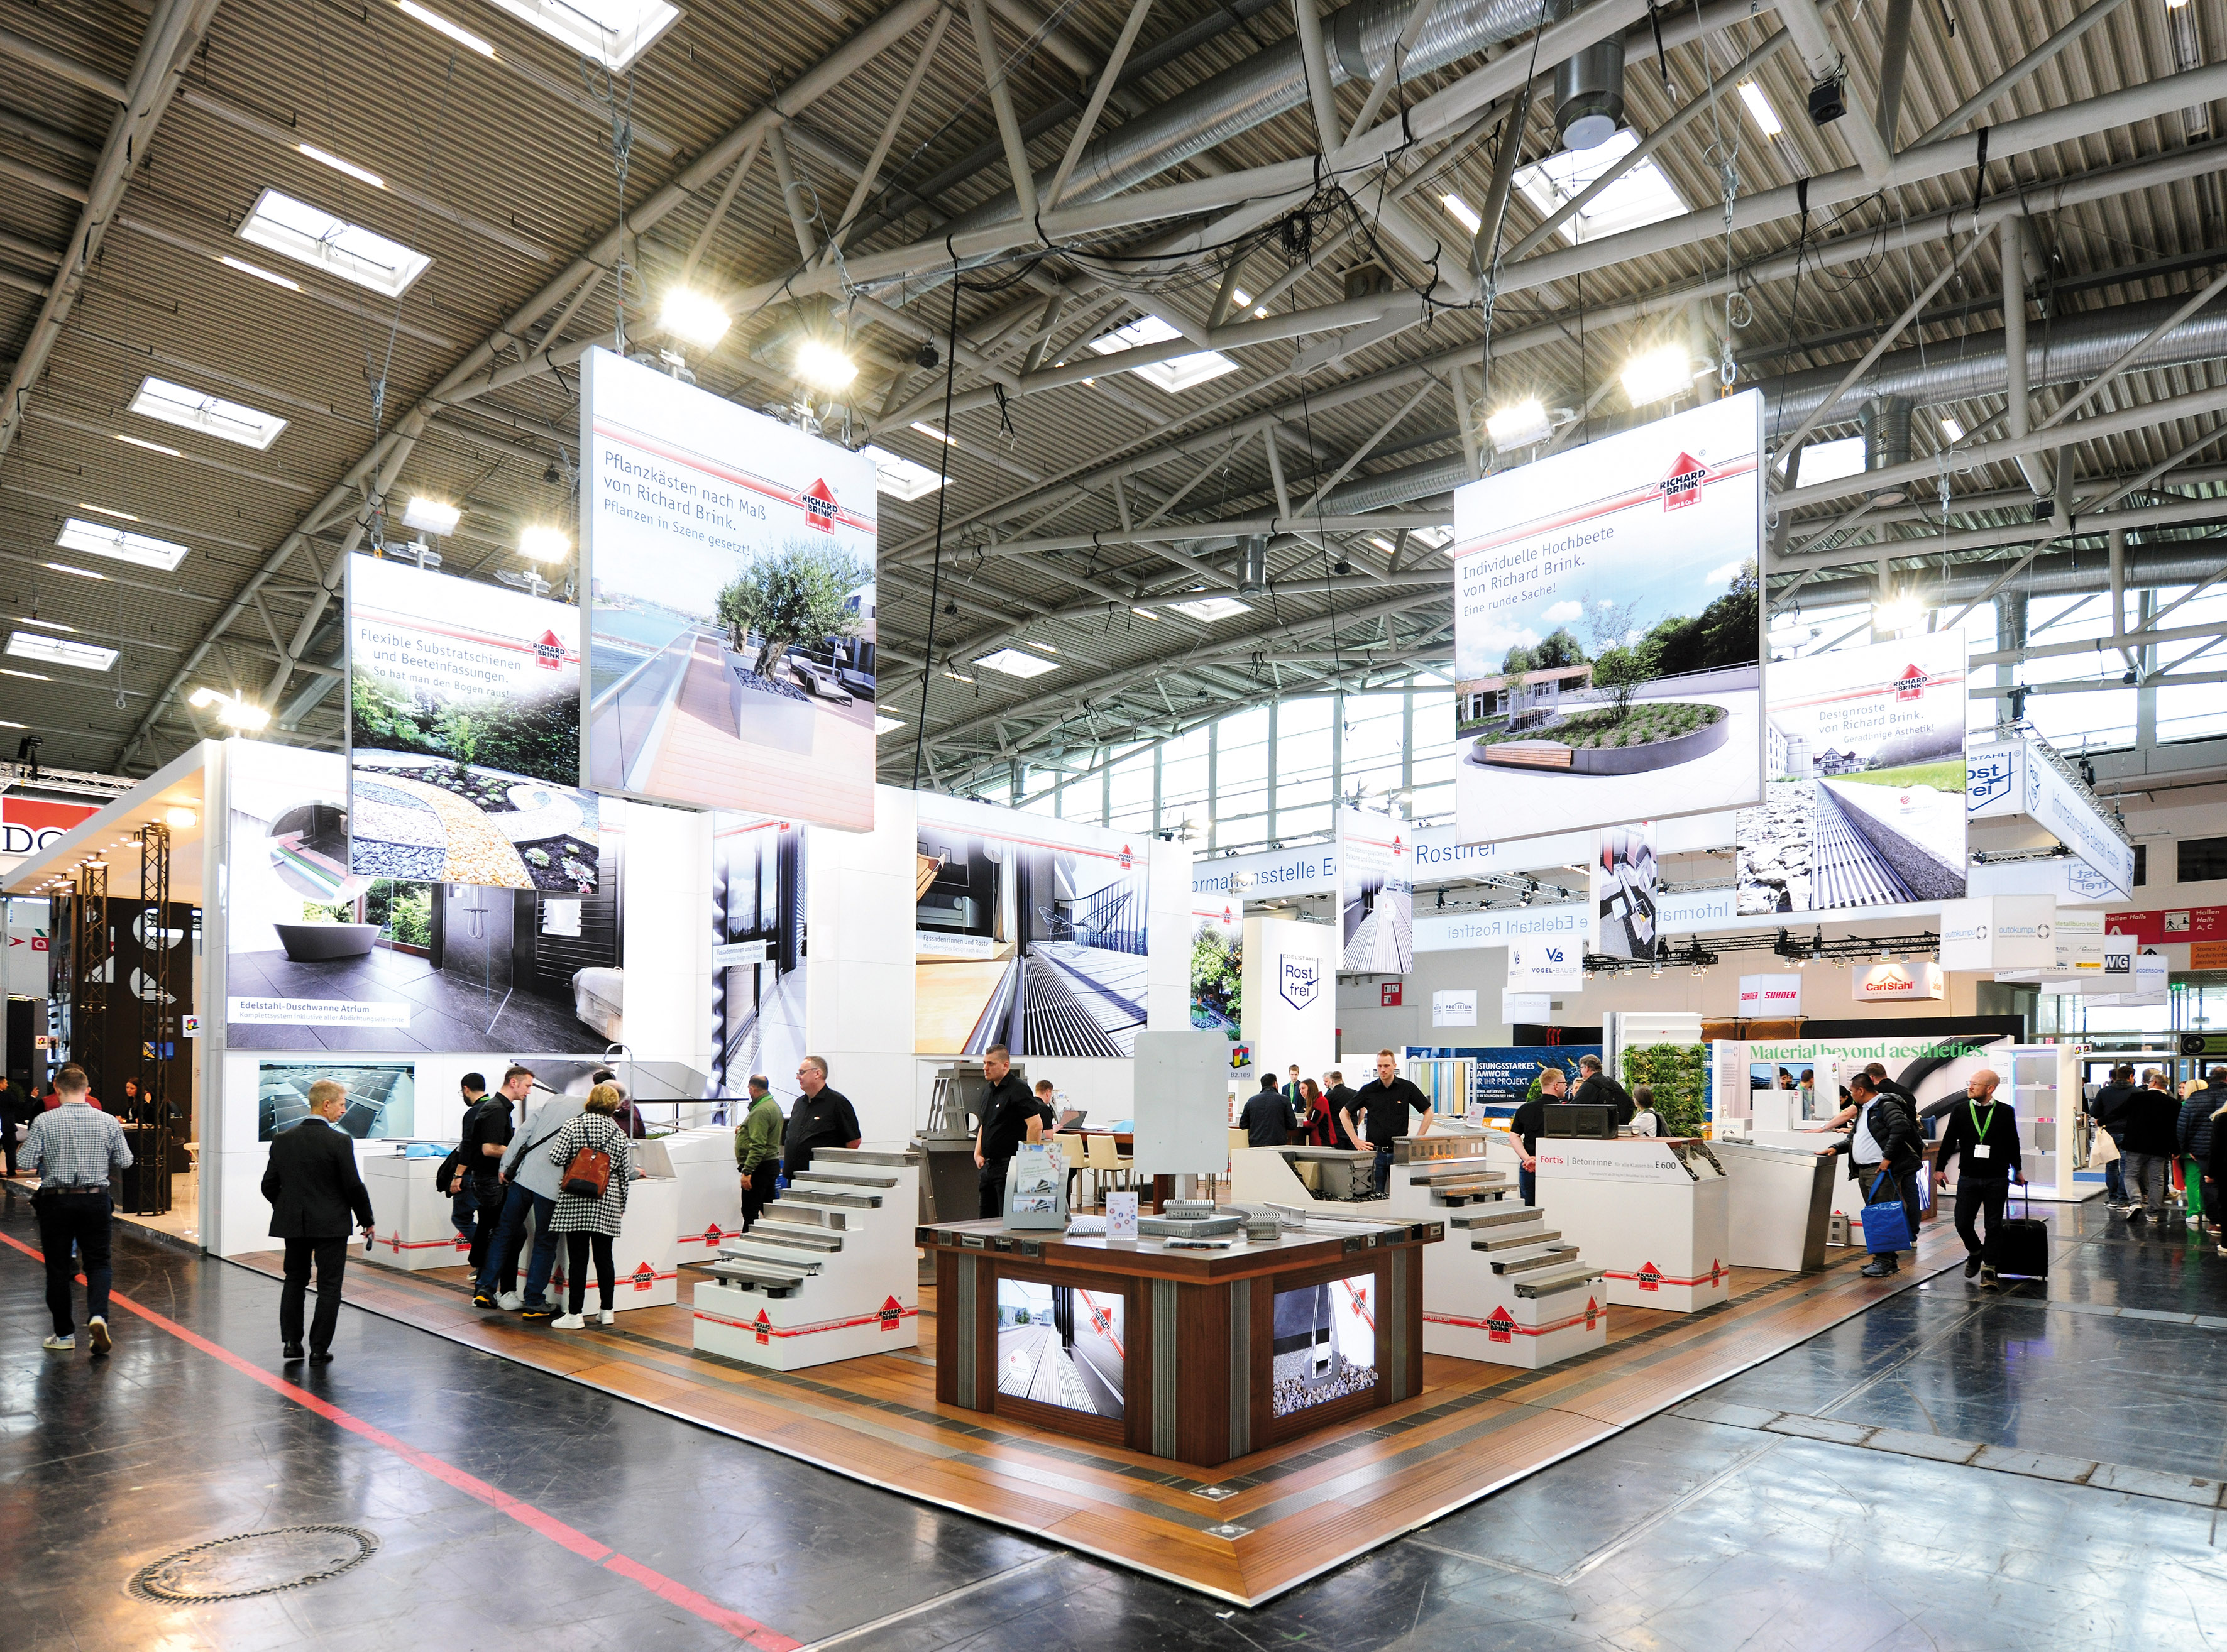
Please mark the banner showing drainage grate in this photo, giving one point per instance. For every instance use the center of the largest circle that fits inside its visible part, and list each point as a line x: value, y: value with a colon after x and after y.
x: 254, y: 1563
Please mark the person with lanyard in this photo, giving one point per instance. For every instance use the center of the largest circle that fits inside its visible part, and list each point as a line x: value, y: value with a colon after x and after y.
x: 73, y: 1149
x: 1011, y: 1114
x: 1266, y: 1118
x: 1386, y: 1101
x: 1292, y: 1082
x: 1531, y: 1119
x: 822, y: 1117
x: 1883, y: 1153
x: 1983, y: 1135
x: 757, y: 1150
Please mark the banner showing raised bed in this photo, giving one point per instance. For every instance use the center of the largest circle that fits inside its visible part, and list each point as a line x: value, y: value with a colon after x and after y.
x: 1608, y: 631
x: 464, y: 733
x: 729, y: 562
x: 1865, y: 806
x: 1028, y: 932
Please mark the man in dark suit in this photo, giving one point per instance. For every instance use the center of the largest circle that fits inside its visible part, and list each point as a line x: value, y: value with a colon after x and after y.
x: 313, y: 1187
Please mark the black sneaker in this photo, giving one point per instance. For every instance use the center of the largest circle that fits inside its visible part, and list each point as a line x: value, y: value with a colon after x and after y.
x: 538, y: 1311
x: 1878, y: 1268
x: 481, y: 1299
x: 1971, y: 1267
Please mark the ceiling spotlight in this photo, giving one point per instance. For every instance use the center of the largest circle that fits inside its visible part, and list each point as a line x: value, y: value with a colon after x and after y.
x: 927, y: 357
x: 693, y: 317
x: 1658, y: 375
x: 1897, y: 613
x: 1522, y: 425
x: 233, y: 711
x: 824, y: 366
x: 434, y: 516
x: 552, y: 475
x: 182, y: 820
x: 544, y: 544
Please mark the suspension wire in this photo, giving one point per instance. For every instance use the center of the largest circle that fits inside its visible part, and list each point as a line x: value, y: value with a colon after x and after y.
x: 603, y: 89
x: 942, y: 500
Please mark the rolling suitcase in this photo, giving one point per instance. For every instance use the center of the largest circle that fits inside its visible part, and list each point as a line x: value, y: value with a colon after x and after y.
x: 2019, y: 1246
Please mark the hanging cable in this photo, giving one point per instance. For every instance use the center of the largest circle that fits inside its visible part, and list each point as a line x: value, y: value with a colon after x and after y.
x: 943, y: 499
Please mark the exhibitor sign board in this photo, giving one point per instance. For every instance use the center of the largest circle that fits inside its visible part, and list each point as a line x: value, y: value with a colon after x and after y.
x: 2013, y: 777
x: 464, y: 733
x: 1607, y: 632
x: 1898, y: 981
x: 728, y: 562
x: 1770, y: 996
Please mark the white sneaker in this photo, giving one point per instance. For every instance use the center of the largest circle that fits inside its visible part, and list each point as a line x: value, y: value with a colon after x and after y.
x: 511, y: 1301
x: 61, y: 1345
x: 610, y: 1318
x: 97, y: 1330
x: 568, y: 1321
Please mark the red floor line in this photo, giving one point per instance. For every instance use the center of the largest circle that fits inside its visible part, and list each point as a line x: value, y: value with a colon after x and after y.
x: 742, y: 1627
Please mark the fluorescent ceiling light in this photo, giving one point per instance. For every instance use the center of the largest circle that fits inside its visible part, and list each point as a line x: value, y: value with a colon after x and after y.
x: 434, y: 516
x: 1174, y: 376
x: 435, y: 21
x: 823, y: 365
x: 1461, y: 212
x: 325, y: 157
x: 541, y: 543
x: 1434, y: 538
x: 51, y: 625
x: 930, y: 430
x: 1831, y: 461
x: 1046, y: 647
x: 1759, y: 106
x: 1522, y: 425
x: 1951, y: 429
x: 98, y: 540
x: 694, y: 317
x: 82, y: 573
x: 1245, y: 301
x: 1667, y: 371
x: 229, y: 421
x: 121, y: 516
x: 151, y: 447
x: 898, y: 476
x: 1014, y: 663
x: 60, y: 651
x: 1147, y: 612
x: 1641, y: 196
x: 33, y: 676
x: 1211, y: 608
x: 311, y: 235
x: 613, y: 32
x: 260, y: 273
x: 884, y: 724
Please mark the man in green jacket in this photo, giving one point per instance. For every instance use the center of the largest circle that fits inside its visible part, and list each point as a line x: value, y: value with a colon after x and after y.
x: 757, y: 1150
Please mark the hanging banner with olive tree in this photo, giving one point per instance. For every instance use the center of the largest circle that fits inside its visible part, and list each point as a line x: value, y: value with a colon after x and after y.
x: 727, y: 562
x: 464, y: 734
x: 1608, y: 631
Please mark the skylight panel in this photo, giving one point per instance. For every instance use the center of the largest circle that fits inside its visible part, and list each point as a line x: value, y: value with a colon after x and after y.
x: 229, y: 421
x: 1643, y: 196
x: 311, y: 235
x: 900, y: 477
x: 96, y: 538
x: 60, y: 651
x: 613, y: 32
x: 1208, y: 609
x: 1014, y: 663
x: 1175, y: 375
x: 1831, y: 461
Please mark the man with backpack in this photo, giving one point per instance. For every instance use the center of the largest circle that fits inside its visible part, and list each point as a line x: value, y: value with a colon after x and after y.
x: 480, y: 1141
x: 1596, y: 1088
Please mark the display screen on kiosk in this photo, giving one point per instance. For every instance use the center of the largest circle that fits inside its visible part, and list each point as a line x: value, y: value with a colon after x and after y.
x: 1325, y: 1345
x: 1060, y: 1345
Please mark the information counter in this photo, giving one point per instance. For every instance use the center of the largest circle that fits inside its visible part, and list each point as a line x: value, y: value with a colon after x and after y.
x: 644, y: 1264
x: 412, y: 1230
x: 1199, y: 1355
x: 709, y: 1188
x: 1781, y: 1199
x: 1651, y: 1212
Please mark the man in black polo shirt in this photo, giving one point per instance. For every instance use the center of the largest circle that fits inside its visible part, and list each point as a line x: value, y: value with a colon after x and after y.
x: 821, y: 1117
x: 489, y: 1122
x: 1385, y: 1102
x: 1010, y: 1115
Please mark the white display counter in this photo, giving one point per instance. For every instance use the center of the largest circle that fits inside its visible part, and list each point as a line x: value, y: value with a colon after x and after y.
x: 411, y: 1229
x: 1652, y: 1212
x: 1781, y: 1198
x: 645, y: 1268
x: 702, y: 1163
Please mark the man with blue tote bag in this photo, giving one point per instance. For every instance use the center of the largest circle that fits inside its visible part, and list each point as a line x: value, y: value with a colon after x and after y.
x: 1884, y: 1160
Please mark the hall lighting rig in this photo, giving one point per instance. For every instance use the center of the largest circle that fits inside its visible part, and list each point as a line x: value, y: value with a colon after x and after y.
x: 1840, y: 952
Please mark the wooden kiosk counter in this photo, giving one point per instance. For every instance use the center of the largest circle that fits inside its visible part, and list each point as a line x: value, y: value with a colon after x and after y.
x: 1199, y: 1355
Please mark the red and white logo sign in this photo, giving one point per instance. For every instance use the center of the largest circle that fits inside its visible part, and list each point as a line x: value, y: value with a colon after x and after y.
x: 820, y: 507
x: 1592, y: 1313
x: 549, y: 651
x: 29, y: 825
x: 644, y: 1278
x: 1682, y: 487
x: 764, y: 1329
x: 1650, y: 1277
x: 1398, y: 847
x: 1911, y: 685
x: 1128, y: 859
x: 1893, y: 983
x: 891, y: 1313
x: 1501, y: 1328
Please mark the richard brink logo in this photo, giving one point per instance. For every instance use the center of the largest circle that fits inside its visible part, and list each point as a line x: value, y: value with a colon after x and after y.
x: 1300, y: 979
x: 549, y: 651
x: 1911, y: 685
x: 819, y: 501
x: 1682, y: 487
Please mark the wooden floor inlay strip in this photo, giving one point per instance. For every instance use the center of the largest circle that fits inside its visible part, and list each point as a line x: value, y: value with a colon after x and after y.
x: 1279, y: 1517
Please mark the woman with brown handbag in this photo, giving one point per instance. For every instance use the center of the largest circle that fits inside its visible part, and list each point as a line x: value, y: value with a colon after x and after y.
x: 597, y: 1158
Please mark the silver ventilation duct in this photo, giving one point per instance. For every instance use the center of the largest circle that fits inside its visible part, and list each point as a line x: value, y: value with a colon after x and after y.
x: 1589, y: 89
x: 1886, y: 441
x: 1253, y: 573
x: 2067, y: 573
x: 1360, y: 37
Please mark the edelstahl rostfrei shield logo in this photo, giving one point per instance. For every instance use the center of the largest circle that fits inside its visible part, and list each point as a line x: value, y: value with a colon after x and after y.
x: 1298, y: 978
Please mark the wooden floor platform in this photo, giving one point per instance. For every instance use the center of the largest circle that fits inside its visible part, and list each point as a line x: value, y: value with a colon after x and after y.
x: 1265, y: 1522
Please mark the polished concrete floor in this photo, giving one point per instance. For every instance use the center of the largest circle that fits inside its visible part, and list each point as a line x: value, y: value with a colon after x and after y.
x: 2036, y: 1467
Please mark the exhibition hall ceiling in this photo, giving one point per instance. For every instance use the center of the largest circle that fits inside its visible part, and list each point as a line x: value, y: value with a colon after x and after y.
x: 328, y: 235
